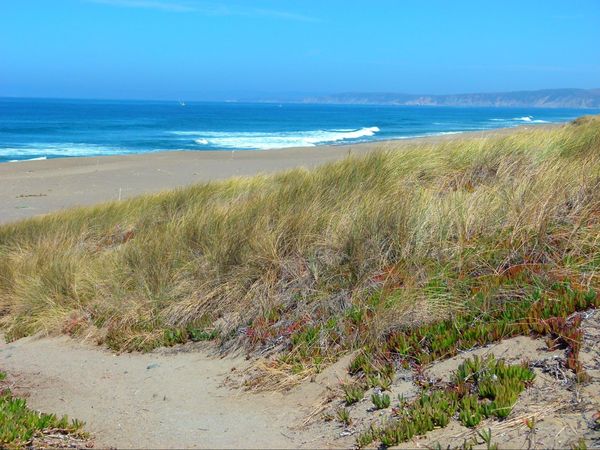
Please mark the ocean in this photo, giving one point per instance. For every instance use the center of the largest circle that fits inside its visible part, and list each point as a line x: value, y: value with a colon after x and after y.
x: 43, y: 129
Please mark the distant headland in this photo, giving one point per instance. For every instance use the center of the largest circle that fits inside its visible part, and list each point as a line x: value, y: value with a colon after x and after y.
x: 546, y: 98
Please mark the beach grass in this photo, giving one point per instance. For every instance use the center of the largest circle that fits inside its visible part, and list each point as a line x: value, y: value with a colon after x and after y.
x: 310, y: 264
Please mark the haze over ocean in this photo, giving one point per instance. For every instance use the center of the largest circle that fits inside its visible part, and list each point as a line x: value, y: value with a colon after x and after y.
x: 237, y: 49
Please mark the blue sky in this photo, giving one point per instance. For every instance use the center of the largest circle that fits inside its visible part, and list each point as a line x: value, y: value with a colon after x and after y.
x: 196, y: 49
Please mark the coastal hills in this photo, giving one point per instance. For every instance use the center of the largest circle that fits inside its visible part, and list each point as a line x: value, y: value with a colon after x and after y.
x: 546, y: 98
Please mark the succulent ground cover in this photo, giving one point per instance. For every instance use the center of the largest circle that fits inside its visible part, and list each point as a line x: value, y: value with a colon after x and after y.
x: 545, y: 313
x: 21, y: 426
x: 481, y: 388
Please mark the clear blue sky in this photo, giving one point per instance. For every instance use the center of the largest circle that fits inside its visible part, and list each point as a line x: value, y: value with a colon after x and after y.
x: 195, y: 49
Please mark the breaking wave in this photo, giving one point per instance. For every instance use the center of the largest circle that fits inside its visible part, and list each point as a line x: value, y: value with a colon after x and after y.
x: 523, y: 119
x: 267, y: 140
x: 39, y: 158
x: 41, y: 151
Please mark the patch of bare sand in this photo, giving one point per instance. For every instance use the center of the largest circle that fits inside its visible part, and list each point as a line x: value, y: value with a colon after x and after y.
x: 162, y: 399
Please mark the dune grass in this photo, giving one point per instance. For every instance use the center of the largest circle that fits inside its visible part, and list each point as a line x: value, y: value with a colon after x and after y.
x: 314, y: 263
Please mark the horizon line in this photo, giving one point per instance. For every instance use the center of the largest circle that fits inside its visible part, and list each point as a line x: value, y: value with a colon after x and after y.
x: 299, y: 100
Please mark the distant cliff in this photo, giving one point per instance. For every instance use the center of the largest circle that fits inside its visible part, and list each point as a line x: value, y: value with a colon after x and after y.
x: 547, y: 98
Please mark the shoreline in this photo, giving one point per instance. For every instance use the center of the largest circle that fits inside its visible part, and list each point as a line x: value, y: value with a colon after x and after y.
x: 31, y: 188
x: 332, y: 144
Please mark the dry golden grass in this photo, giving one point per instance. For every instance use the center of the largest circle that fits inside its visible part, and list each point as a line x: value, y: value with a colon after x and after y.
x: 332, y: 257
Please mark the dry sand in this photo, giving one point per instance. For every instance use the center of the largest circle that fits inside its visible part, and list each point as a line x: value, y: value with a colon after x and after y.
x: 163, y: 399
x: 30, y: 188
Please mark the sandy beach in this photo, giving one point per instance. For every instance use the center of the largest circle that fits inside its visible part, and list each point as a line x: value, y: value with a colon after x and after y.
x: 31, y: 188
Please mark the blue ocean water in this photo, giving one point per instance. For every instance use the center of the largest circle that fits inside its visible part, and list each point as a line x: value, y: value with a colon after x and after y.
x: 40, y: 129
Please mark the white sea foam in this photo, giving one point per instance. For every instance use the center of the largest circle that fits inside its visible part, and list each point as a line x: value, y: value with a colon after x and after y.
x: 41, y: 158
x: 422, y: 135
x: 46, y: 150
x: 266, y: 140
x: 526, y: 119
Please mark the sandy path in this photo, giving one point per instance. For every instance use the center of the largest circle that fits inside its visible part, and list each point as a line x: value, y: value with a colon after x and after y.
x: 156, y: 400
